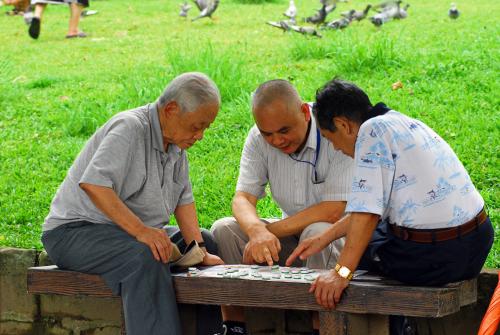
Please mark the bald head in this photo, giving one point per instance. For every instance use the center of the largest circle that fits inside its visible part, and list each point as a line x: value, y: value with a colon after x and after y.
x: 273, y: 91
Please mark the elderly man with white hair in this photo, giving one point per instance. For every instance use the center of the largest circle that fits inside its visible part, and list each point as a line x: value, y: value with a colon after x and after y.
x: 110, y: 215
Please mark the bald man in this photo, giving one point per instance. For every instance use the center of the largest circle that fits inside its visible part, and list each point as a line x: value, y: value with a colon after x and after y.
x: 308, y: 179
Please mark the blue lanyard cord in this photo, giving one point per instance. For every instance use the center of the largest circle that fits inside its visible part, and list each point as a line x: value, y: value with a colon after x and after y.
x: 318, y: 147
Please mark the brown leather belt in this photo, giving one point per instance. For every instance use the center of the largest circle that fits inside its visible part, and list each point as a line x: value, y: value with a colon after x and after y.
x: 439, y: 235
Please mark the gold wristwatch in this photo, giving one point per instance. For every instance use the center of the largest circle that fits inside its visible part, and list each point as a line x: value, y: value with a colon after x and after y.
x: 343, y: 271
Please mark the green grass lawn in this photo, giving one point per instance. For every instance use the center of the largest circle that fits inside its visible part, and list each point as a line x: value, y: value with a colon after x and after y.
x: 55, y: 92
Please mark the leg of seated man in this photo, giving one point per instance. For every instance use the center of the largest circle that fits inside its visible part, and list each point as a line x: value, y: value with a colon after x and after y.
x: 208, y: 318
x: 231, y: 241
x: 126, y: 265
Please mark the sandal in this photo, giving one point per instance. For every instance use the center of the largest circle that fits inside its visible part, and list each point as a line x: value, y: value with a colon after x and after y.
x: 80, y: 34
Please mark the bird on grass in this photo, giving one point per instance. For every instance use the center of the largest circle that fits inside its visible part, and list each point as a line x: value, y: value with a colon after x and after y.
x: 283, y: 25
x: 184, y: 9
x: 402, y: 12
x: 453, y: 12
x: 330, y: 5
x: 319, y: 17
x: 360, y: 15
x: 291, y: 11
x: 399, y: 13
x: 380, y: 18
x: 201, y: 4
x: 343, y: 22
x: 310, y: 31
x: 208, y: 11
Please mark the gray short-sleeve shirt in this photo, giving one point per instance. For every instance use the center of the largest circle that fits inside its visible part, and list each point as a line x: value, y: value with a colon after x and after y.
x: 127, y: 155
x: 290, y: 181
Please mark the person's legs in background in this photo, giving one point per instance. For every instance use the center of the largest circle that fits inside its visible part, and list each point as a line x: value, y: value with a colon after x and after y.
x: 74, y: 19
x: 34, y: 29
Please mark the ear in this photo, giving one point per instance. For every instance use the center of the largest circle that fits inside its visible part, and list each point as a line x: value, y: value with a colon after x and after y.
x: 306, y: 110
x: 342, y: 124
x: 171, y: 109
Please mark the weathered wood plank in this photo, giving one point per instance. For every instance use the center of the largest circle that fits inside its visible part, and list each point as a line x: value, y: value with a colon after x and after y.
x: 366, y: 297
x: 332, y: 323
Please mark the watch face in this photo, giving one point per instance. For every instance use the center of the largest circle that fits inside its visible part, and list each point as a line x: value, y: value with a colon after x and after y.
x: 344, y: 272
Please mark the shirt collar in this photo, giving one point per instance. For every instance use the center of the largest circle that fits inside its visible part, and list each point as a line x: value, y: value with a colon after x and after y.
x: 312, y: 136
x: 156, y: 131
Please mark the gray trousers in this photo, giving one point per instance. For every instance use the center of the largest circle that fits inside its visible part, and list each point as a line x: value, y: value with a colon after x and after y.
x: 128, y: 268
x: 231, y: 241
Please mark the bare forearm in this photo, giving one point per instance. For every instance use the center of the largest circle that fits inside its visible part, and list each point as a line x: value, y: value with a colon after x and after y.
x: 327, y: 211
x: 188, y: 222
x: 359, y: 233
x: 108, y: 202
x: 245, y: 213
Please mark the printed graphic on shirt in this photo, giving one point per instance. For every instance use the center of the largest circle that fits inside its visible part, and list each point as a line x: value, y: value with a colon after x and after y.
x: 356, y: 205
x: 379, y: 129
x: 359, y: 185
x: 467, y: 188
x: 408, y: 211
x: 459, y: 216
x: 445, y: 160
x: 403, y: 139
x: 403, y: 181
x: 378, y: 155
x: 384, y: 201
x: 431, y: 143
x: 439, y: 193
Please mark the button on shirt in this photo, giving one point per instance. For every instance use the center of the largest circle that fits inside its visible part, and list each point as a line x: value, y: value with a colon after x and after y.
x: 291, y: 181
x: 127, y: 155
x: 409, y: 175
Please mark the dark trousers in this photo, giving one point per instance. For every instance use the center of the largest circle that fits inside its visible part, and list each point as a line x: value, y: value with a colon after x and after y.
x: 128, y: 268
x: 426, y: 264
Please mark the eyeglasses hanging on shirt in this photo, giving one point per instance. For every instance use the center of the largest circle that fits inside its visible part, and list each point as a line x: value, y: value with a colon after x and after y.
x: 314, y: 178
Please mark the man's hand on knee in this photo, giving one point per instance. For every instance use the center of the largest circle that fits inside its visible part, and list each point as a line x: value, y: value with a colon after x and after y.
x: 158, y: 241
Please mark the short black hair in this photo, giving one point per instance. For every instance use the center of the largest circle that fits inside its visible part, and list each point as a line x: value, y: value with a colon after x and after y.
x: 340, y: 98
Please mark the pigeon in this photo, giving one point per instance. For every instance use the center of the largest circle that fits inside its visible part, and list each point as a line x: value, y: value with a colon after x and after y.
x: 201, y: 4
x: 339, y: 23
x: 306, y: 31
x: 208, y: 11
x: 281, y: 25
x: 381, y: 18
x: 291, y: 12
x: 184, y: 9
x: 330, y: 5
x: 319, y: 17
x: 453, y: 12
x: 384, y: 5
x: 402, y: 12
x: 360, y: 15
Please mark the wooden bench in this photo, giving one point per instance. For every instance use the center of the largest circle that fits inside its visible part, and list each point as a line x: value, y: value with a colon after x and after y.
x: 364, y: 309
